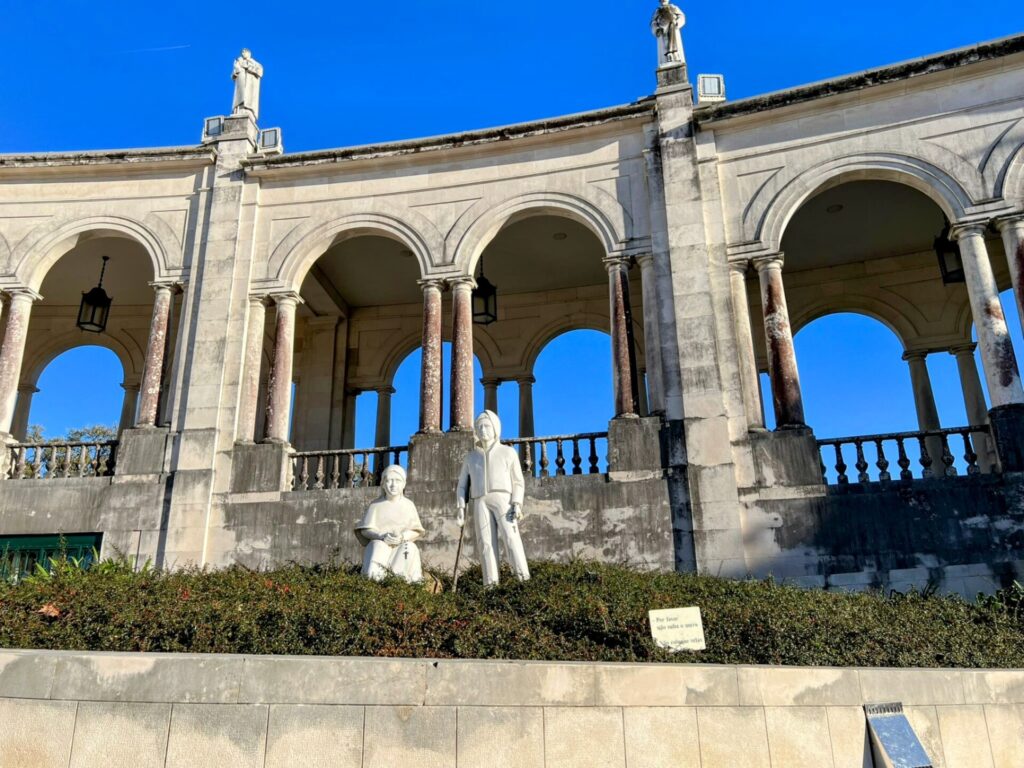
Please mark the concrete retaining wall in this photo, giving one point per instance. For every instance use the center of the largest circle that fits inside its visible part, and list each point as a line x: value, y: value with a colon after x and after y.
x: 141, y: 710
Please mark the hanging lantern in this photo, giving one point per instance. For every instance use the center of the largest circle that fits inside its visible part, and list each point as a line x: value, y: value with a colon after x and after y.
x: 95, y: 308
x: 951, y: 265
x: 485, y: 299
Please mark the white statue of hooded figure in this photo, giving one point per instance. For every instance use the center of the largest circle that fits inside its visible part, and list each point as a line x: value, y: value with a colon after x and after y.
x: 388, y: 530
x: 492, y: 480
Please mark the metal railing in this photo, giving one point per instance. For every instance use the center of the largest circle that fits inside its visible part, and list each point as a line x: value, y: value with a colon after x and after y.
x: 39, y: 461
x: 935, y: 453
x: 534, y: 453
x: 343, y: 468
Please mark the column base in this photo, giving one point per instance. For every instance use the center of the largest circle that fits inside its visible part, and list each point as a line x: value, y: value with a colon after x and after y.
x: 635, y: 444
x: 787, y: 457
x: 261, y: 467
x: 143, y: 451
x: 436, y: 457
x: 1008, y: 435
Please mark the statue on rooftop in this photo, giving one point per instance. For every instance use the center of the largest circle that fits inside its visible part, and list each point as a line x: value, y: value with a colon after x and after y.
x: 247, y: 74
x: 492, y: 480
x: 388, y: 530
x: 666, y: 24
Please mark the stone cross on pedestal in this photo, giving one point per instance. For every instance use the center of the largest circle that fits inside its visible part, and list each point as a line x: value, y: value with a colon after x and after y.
x: 247, y: 74
x: 666, y: 25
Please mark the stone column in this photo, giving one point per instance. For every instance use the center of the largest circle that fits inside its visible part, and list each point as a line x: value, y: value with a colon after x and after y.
x: 924, y: 402
x: 623, y: 352
x: 430, y: 366
x: 129, y: 406
x: 22, y: 408
x: 12, y: 351
x: 156, y: 347
x: 1012, y: 230
x: 348, y: 432
x: 246, y: 431
x: 490, y: 393
x: 974, y: 402
x: 526, y: 428
x: 652, y: 336
x: 753, y: 406
x: 461, y: 419
x: 786, y: 395
x: 279, y: 398
x: 383, y: 431
x: 997, y: 357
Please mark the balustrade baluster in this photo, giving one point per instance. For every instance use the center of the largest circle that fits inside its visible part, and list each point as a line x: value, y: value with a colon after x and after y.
x: 64, y: 468
x: 903, y: 460
x: 594, y: 469
x: 20, y: 466
x: 841, y: 477
x: 947, y: 458
x: 37, y: 462
x: 882, y: 463
x: 926, y: 460
x: 969, y: 455
x: 544, y: 463
x: 577, y: 460
x: 559, y: 458
x: 862, y: 463
x: 102, y: 463
x: 334, y: 478
x: 350, y: 470
x: 528, y: 458
x: 397, y: 456
x: 365, y: 476
x: 318, y: 476
x: 303, y: 474
x: 83, y: 455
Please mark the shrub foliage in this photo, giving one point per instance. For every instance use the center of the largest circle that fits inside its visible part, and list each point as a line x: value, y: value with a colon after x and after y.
x: 581, y: 611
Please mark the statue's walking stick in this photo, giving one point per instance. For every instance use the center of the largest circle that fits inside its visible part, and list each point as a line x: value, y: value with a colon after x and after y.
x: 458, y: 555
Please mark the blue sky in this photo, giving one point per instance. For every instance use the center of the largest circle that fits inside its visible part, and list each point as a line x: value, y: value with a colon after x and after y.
x: 99, y: 75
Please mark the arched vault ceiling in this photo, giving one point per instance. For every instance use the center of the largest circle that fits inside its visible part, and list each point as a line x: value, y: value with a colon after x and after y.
x: 366, y: 271
x: 126, y: 280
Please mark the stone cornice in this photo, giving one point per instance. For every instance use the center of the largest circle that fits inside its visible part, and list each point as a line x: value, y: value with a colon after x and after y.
x: 141, y: 159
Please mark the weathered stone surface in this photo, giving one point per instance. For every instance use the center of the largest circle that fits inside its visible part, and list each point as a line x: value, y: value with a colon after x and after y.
x: 35, y: 733
x: 732, y: 736
x: 501, y: 683
x: 27, y: 674
x: 964, y: 734
x: 217, y: 734
x: 315, y: 736
x: 115, y: 735
x: 798, y: 735
x: 584, y: 737
x: 666, y: 685
x: 519, y: 745
x: 423, y: 736
x: 917, y: 686
x: 314, y: 680
x: 661, y: 737
x: 797, y: 686
x: 847, y: 727
x: 1005, y: 724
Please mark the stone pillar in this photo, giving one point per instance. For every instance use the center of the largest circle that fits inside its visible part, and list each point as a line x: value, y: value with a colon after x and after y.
x: 461, y: 419
x: 1012, y: 230
x: 12, y: 351
x: 786, y: 396
x: 753, y: 405
x: 623, y: 351
x: 383, y: 431
x: 652, y: 337
x: 924, y: 401
x: 974, y: 402
x: 156, y: 347
x: 997, y: 357
x: 490, y: 393
x: 279, y: 400
x: 247, y: 408
x: 526, y: 428
x: 430, y: 367
x: 22, y: 408
x: 129, y: 406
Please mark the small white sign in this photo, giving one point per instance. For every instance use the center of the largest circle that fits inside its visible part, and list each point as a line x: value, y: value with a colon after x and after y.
x: 678, y: 629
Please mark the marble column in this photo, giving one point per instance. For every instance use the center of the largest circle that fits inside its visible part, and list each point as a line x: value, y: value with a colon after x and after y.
x: 490, y: 393
x: 430, y: 366
x: 129, y: 406
x: 924, y: 403
x: 652, y: 337
x: 1012, y: 230
x: 997, y: 356
x: 12, y: 351
x: 22, y: 408
x: 526, y: 428
x: 156, y: 348
x: 623, y: 352
x: 782, y: 370
x: 247, y: 408
x: 279, y: 395
x: 974, y: 402
x: 753, y: 405
x: 383, y: 427
x: 461, y: 419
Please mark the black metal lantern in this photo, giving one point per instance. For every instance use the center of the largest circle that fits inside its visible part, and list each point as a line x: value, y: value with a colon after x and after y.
x: 485, y: 299
x: 95, y: 308
x: 951, y: 265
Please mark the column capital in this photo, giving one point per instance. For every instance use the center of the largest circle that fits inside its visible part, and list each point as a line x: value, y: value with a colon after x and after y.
x: 431, y: 283
x: 23, y: 292
x: 963, y: 349
x: 769, y: 261
x: 616, y: 261
x: 490, y: 381
x: 645, y: 260
x: 128, y: 386
x: 1008, y: 220
x: 31, y: 389
x: 526, y: 378
x: 256, y: 299
x: 961, y: 230
x: 165, y: 285
x: 385, y: 389
x: 915, y: 354
x: 739, y: 266
x: 287, y: 298
x: 463, y: 283
x: 353, y: 392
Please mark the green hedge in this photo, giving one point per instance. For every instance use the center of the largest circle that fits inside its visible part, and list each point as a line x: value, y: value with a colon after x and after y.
x: 581, y: 611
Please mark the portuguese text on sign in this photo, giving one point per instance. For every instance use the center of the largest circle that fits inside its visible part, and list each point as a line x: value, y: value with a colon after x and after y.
x: 678, y: 629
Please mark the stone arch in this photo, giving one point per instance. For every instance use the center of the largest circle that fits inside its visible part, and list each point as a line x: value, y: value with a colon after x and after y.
x: 1011, y: 185
x: 901, y: 326
x: 774, y: 206
x: 486, y: 353
x: 293, y: 257
x: 33, y: 257
x: 601, y: 214
x: 36, y: 361
x: 578, y: 321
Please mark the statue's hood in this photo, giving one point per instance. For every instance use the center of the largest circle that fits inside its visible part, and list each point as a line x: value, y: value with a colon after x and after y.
x: 495, y: 425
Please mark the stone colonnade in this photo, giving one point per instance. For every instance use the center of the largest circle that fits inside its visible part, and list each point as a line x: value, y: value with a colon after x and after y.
x: 998, y: 359
x: 627, y: 378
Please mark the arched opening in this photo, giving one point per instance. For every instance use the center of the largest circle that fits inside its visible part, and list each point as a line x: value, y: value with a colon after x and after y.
x: 573, y: 390
x: 54, y: 407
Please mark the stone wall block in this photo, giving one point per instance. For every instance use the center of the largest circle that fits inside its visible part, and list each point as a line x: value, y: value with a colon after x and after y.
x: 217, y: 735
x: 584, y: 737
x: 501, y: 683
x: 798, y: 736
x: 925, y: 723
x: 326, y: 680
x: 992, y: 686
x: 510, y: 737
x: 315, y: 736
x: 27, y: 674
x: 36, y: 733
x: 661, y: 737
x: 851, y: 748
x: 733, y: 736
x: 416, y: 736
x: 912, y: 686
x: 115, y: 735
x: 798, y: 686
x: 1005, y: 724
x: 659, y: 685
x: 260, y: 467
x: 964, y: 734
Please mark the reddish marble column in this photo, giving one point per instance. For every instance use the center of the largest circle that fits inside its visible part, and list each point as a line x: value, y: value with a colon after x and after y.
x: 997, y: 357
x: 12, y: 351
x: 156, y: 347
x: 279, y: 396
x: 248, y: 404
x: 786, y: 395
x: 1012, y: 230
x: 430, y: 368
x: 462, y: 355
x: 623, y: 352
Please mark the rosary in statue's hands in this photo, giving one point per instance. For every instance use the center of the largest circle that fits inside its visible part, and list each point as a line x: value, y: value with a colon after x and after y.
x: 391, y: 539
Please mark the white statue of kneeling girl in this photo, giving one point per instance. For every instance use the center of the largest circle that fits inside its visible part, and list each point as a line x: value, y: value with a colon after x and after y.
x: 389, y: 529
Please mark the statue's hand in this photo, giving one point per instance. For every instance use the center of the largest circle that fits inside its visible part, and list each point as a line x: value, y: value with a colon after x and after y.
x: 392, y: 539
x: 460, y: 515
x: 515, y: 512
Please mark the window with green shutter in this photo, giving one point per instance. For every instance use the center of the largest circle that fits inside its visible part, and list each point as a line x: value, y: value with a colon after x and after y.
x: 20, y: 554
